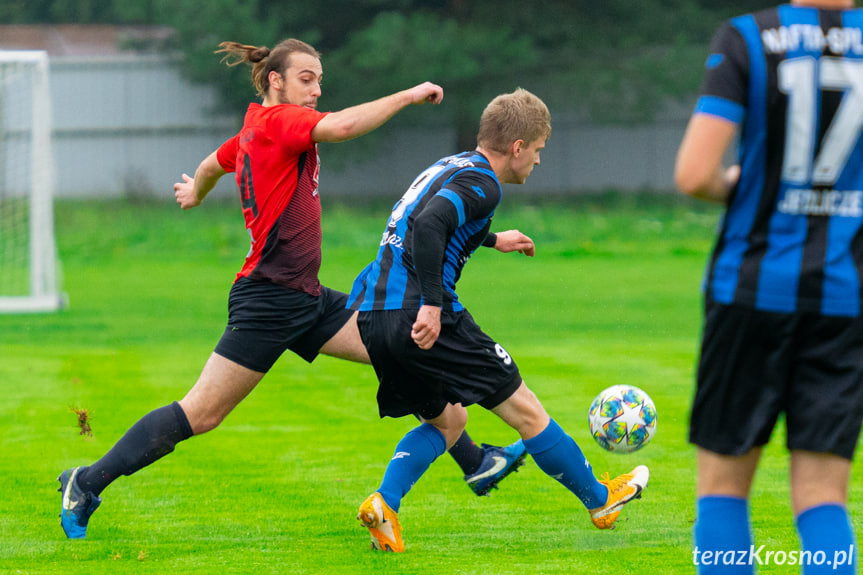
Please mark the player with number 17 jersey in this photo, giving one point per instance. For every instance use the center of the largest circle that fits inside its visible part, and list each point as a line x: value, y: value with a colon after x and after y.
x: 277, y: 164
x: 792, y: 78
x: 391, y: 281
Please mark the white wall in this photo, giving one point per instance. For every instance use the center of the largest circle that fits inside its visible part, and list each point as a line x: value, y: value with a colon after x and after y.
x: 133, y: 125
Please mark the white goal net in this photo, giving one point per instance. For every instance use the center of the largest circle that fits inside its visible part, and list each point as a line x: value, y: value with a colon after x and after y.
x: 28, y: 254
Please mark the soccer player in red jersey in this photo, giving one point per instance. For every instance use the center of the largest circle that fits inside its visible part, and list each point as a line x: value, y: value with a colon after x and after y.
x: 277, y: 302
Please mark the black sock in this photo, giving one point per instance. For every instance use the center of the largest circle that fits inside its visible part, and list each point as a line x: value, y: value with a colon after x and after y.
x: 467, y: 454
x: 151, y: 438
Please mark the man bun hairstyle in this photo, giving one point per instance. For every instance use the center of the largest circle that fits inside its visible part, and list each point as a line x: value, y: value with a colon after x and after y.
x: 519, y: 115
x: 263, y: 60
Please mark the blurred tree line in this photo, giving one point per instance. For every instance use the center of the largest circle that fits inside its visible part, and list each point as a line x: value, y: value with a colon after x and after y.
x: 613, y: 60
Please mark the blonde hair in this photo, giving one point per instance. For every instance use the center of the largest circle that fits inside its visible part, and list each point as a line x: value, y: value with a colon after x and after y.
x: 519, y: 115
x: 263, y: 60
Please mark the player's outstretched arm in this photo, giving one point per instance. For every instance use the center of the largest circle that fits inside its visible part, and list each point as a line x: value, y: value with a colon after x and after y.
x: 514, y: 241
x: 358, y: 120
x: 192, y: 191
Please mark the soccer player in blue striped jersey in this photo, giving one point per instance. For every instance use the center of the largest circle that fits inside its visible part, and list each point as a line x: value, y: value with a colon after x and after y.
x: 782, y: 332
x: 430, y: 357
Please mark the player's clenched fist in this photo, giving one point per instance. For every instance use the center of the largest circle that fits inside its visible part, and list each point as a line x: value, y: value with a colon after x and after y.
x: 426, y: 328
x: 426, y: 92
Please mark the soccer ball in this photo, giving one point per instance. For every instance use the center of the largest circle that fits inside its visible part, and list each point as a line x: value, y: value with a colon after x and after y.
x: 622, y: 419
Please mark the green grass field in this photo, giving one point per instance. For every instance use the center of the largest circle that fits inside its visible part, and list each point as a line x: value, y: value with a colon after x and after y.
x: 611, y: 297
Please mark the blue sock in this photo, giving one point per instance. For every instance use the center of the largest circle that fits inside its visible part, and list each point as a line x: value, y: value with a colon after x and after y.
x: 827, y: 536
x: 723, y: 537
x: 414, y: 453
x: 557, y: 455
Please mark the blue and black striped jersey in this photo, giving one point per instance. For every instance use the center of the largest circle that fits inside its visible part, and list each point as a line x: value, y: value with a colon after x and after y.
x: 468, y: 184
x: 790, y: 240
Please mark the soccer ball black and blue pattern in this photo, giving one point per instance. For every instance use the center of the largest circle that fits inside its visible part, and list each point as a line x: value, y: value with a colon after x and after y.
x: 622, y: 419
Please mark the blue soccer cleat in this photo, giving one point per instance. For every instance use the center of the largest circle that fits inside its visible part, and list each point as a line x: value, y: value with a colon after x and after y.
x: 77, y: 506
x: 497, y: 463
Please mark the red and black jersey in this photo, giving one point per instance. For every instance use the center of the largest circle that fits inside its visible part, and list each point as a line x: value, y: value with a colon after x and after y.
x: 277, y: 164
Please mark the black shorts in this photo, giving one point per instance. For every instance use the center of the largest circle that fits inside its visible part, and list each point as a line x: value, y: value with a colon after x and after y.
x: 265, y: 319
x: 463, y: 366
x: 755, y: 365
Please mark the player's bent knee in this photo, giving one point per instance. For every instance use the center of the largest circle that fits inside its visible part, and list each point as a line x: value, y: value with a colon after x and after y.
x: 451, y: 423
x: 459, y: 418
x: 523, y: 412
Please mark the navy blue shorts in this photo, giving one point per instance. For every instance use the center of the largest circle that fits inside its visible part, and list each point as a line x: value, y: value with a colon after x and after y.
x: 756, y: 365
x: 463, y: 366
x: 265, y: 319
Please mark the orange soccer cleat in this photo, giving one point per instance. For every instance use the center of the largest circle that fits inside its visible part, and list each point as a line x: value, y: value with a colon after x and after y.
x: 621, y: 490
x: 382, y: 523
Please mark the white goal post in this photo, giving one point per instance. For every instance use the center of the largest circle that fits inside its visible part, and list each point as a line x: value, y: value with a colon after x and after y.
x: 29, y: 278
